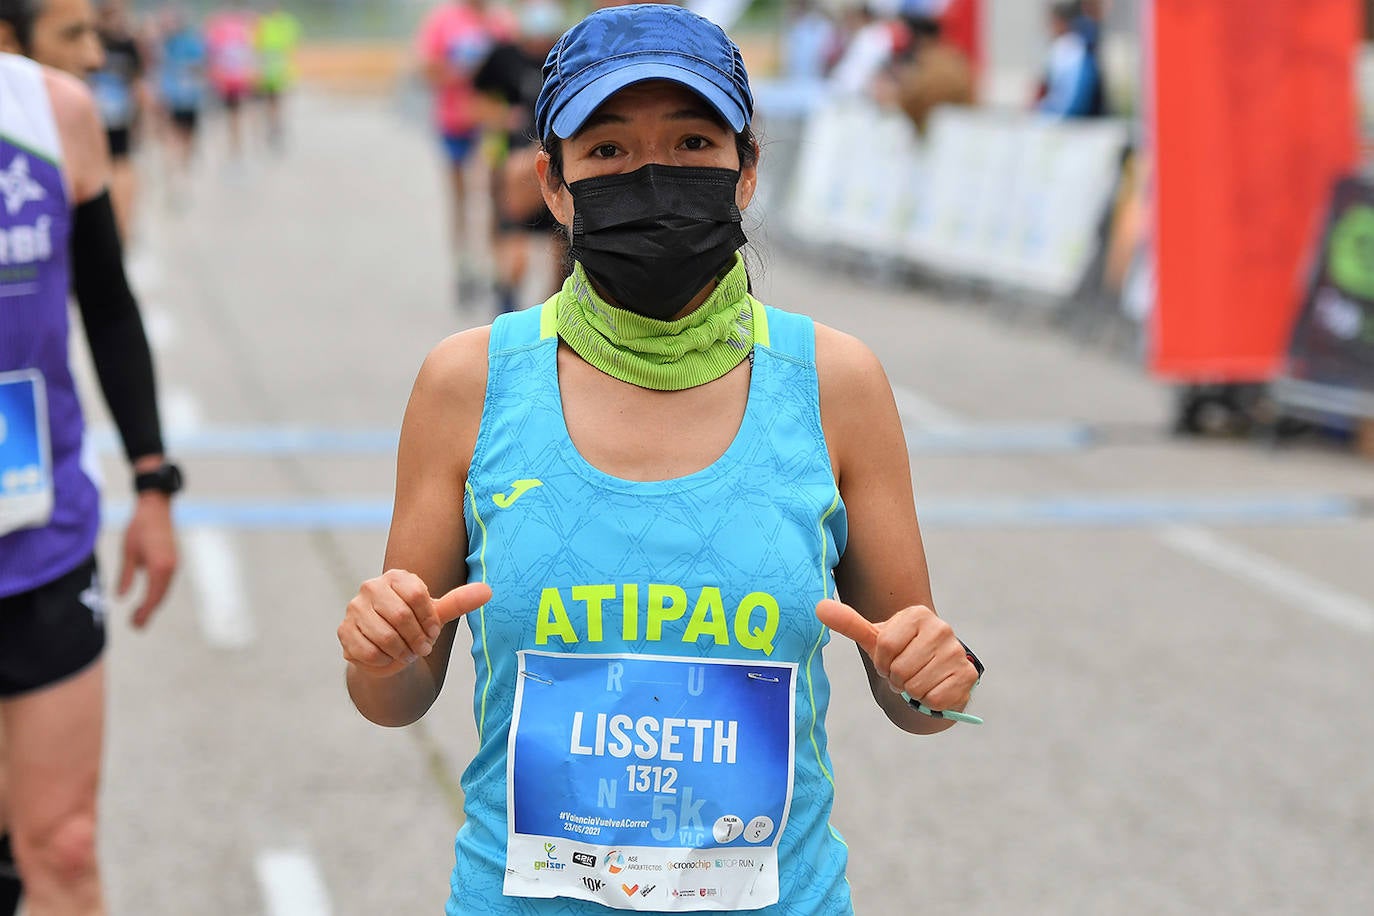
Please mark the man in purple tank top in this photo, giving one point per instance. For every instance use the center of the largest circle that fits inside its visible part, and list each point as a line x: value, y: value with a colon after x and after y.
x: 58, y: 236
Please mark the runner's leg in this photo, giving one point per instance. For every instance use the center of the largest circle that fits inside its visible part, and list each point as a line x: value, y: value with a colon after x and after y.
x: 52, y: 755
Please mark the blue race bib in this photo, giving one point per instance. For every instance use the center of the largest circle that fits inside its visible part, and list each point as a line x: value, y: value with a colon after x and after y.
x: 646, y: 783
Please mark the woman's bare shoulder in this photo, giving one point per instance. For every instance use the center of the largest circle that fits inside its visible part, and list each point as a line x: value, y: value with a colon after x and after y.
x: 844, y: 363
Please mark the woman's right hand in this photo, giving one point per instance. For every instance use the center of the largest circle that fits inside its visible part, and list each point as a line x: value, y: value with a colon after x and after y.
x: 393, y: 620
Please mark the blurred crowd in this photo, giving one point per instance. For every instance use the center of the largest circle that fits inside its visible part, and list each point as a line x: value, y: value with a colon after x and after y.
x: 919, y: 54
x: 153, y: 76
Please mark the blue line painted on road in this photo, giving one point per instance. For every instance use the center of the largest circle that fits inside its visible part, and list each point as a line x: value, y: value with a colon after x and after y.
x: 1051, y: 512
x: 993, y: 439
x: 1137, y: 511
x: 267, y: 441
x: 270, y: 441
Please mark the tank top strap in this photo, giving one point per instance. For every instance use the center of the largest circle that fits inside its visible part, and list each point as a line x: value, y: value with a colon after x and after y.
x: 26, y: 117
x: 515, y: 330
x: 786, y: 334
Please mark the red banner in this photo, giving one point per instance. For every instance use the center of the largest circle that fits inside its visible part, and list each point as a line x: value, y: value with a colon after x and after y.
x: 1253, y: 121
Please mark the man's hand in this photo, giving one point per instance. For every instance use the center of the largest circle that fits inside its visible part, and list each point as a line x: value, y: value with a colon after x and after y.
x: 150, y: 546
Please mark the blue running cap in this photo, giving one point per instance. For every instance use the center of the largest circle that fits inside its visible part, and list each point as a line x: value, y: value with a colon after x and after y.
x: 618, y: 46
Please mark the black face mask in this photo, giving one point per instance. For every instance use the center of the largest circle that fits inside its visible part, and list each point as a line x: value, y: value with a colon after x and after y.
x: 653, y: 238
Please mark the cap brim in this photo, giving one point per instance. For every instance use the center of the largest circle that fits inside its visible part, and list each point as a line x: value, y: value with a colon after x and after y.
x: 575, y: 112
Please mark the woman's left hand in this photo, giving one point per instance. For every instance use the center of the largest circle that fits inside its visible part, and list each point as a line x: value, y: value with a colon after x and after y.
x: 914, y: 650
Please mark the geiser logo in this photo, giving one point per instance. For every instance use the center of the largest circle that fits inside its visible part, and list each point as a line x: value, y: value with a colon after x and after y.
x: 550, y: 861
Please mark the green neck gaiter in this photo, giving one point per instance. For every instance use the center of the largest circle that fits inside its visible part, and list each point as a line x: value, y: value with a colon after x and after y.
x: 660, y: 355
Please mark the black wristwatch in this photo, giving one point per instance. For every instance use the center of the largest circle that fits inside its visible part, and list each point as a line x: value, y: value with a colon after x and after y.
x: 165, y: 479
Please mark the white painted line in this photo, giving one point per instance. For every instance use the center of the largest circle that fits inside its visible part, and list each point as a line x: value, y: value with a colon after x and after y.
x: 221, y: 604
x: 1301, y: 591
x: 143, y: 271
x: 179, y: 409
x: 926, y: 414
x: 291, y: 883
x: 160, y: 326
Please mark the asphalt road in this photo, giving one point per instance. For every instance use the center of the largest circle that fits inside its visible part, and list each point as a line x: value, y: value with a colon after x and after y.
x: 1178, y: 633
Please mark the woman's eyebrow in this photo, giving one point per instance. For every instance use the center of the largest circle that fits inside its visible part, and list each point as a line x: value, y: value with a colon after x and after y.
x: 693, y: 114
x: 600, y: 119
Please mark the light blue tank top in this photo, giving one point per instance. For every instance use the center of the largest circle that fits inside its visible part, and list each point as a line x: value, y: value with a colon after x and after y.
x: 650, y: 697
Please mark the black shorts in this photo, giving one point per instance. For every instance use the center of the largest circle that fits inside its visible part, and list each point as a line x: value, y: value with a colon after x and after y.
x: 231, y: 99
x: 185, y: 118
x: 51, y: 632
x: 120, y: 142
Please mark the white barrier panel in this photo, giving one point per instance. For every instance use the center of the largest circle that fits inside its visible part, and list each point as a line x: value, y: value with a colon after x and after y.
x: 1004, y: 197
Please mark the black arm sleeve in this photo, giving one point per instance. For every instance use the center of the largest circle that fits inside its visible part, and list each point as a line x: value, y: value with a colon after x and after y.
x: 123, y: 362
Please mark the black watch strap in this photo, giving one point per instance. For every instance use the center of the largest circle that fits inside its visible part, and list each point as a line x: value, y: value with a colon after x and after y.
x: 164, y: 479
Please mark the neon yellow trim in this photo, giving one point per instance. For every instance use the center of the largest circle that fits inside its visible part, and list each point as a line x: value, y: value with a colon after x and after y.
x: 548, y: 317
x: 482, y: 559
x: 760, y: 323
x: 810, y: 684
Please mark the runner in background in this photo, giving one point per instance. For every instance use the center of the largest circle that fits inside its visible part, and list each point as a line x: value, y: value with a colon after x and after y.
x: 59, y: 234
x: 508, y: 82
x: 181, y: 93
x: 120, y: 94
x: 232, y: 63
x: 278, y: 33
x: 452, y: 42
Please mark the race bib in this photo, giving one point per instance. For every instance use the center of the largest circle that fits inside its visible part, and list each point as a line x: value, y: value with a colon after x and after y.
x: 25, y: 458
x: 648, y: 783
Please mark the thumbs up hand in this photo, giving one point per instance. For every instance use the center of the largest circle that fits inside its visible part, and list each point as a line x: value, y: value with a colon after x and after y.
x: 393, y: 620
x: 915, y: 651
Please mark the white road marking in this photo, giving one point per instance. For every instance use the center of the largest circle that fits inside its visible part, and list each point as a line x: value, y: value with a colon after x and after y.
x: 143, y: 271
x: 221, y: 604
x: 291, y: 883
x: 1301, y: 591
x: 179, y: 409
x: 160, y: 327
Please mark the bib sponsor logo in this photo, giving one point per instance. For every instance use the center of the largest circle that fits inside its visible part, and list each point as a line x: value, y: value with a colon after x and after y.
x: 585, y: 859
x: 550, y: 861
x: 593, y: 884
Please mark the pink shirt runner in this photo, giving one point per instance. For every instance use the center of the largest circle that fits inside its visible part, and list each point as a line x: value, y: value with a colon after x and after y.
x: 458, y: 36
x: 229, y: 41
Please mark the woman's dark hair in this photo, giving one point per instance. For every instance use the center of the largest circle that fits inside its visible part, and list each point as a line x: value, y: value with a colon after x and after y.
x: 21, y: 14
